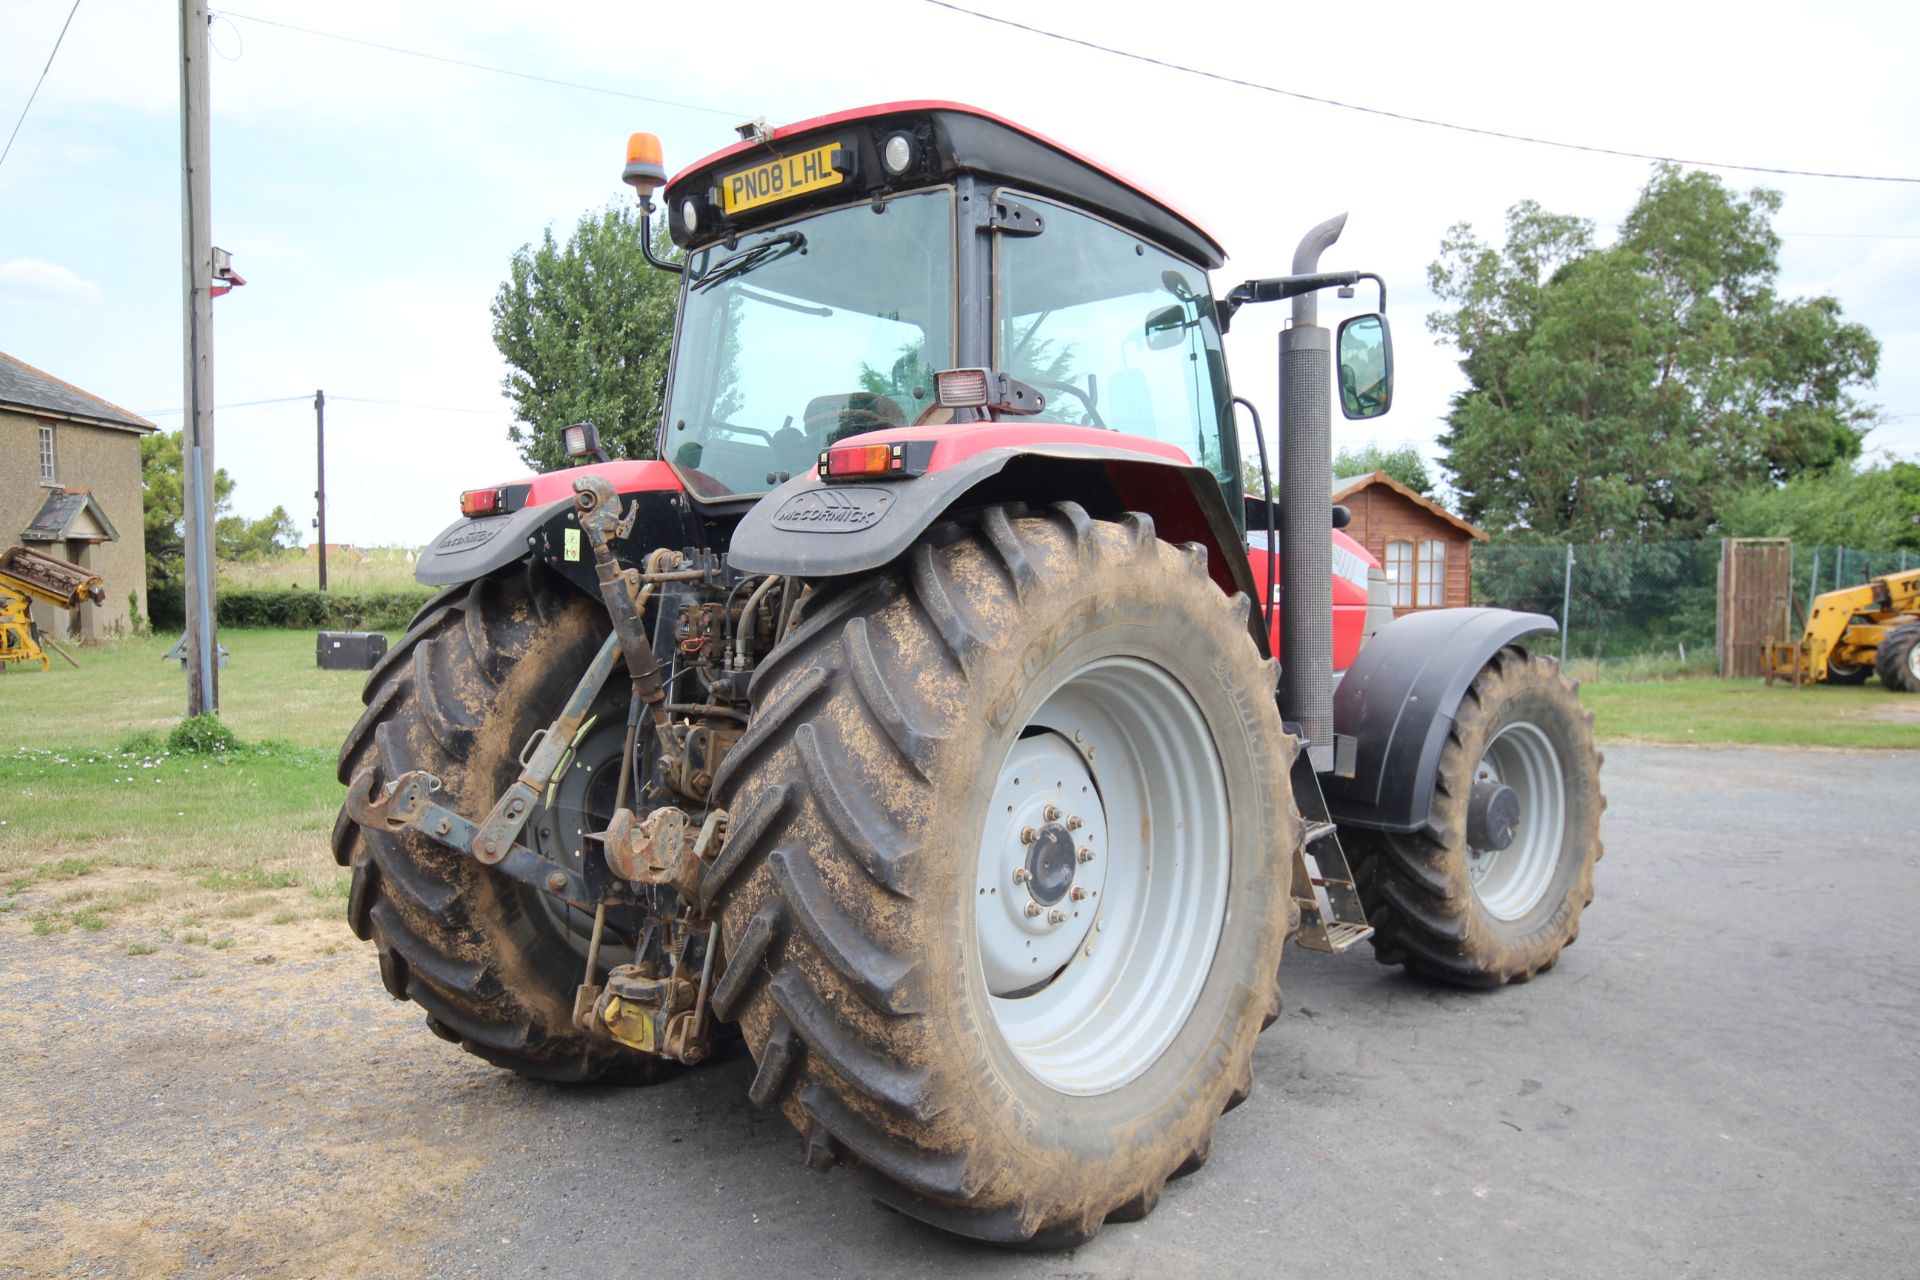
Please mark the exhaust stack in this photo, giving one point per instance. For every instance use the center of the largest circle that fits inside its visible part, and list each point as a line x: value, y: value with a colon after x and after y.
x: 1306, y: 486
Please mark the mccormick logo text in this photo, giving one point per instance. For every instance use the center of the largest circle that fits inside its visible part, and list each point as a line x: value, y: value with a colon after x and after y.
x: 832, y: 510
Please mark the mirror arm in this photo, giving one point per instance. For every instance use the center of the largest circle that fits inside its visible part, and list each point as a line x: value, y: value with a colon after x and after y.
x: 1368, y: 275
x: 646, y: 241
x: 1280, y: 288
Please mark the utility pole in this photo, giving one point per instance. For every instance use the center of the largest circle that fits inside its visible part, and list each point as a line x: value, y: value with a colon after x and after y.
x: 196, y: 242
x: 320, y: 494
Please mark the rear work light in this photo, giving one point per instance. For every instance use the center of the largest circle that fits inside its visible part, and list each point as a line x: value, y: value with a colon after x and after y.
x: 482, y: 502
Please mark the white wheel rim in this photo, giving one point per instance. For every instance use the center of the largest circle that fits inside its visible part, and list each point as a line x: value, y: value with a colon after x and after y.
x: 1913, y: 662
x: 1091, y: 989
x: 1510, y: 882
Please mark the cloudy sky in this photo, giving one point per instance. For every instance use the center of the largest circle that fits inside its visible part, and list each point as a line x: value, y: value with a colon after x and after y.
x: 372, y: 200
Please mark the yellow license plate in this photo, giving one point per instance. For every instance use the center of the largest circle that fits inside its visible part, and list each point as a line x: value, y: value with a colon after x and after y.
x: 780, y: 179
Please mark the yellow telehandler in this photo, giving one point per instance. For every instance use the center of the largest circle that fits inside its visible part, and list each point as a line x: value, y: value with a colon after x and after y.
x: 1857, y: 632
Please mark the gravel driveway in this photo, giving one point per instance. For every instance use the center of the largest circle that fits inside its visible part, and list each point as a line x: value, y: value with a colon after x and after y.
x: 1722, y: 1078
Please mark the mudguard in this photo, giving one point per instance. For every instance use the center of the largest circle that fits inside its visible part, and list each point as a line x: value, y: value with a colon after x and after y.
x: 817, y: 530
x: 473, y: 548
x: 1398, y: 701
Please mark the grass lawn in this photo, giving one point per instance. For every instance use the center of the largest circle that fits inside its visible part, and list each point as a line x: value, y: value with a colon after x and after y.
x: 1747, y: 712
x: 269, y: 688
x: 196, y: 849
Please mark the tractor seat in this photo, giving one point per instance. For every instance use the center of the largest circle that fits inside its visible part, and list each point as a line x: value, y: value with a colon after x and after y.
x: 832, y: 418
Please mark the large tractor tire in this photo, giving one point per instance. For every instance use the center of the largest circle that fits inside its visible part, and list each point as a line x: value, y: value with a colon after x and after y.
x: 1449, y: 902
x: 493, y: 963
x: 1005, y: 890
x: 1897, y: 660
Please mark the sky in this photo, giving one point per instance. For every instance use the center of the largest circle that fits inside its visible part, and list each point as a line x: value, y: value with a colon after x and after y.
x: 373, y: 200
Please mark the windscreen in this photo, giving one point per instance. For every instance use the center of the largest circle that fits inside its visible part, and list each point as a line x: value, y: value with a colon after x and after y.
x: 807, y: 333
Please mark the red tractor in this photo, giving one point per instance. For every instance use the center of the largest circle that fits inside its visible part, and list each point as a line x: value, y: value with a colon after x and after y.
x: 963, y: 758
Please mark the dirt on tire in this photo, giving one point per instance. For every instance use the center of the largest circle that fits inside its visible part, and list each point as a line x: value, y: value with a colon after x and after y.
x: 846, y: 886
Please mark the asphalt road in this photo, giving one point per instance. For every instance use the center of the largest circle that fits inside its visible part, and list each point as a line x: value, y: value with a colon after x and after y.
x: 1720, y: 1079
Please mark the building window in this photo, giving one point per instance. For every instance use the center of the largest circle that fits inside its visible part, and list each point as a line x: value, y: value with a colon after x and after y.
x: 46, y: 456
x: 1400, y: 573
x: 1417, y: 578
x: 1433, y: 572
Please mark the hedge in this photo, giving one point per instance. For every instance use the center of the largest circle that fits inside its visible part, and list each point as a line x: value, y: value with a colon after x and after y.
x: 297, y: 610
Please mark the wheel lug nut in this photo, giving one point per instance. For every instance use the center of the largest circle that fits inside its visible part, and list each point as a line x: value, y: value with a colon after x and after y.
x: 1053, y: 813
x: 1056, y: 916
x: 1033, y: 909
x: 1078, y: 893
x: 1085, y: 855
x: 1028, y: 835
x: 1021, y: 875
x: 1075, y: 822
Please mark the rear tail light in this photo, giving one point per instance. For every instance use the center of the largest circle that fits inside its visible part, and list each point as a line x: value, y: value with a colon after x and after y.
x: 853, y: 460
x: 482, y: 502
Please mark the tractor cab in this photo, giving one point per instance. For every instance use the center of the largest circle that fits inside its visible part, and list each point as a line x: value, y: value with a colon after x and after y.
x: 927, y: 265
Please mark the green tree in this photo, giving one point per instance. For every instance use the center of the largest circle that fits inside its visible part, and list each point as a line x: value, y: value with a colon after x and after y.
x: 585, y: 328
x: 1404, y: 464
x: 234, y: 537
x: 1628, y: 391
x: 1873, y: 510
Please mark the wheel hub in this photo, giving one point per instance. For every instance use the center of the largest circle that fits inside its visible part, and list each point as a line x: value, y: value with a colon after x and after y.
x: 1042, y: 873
x: 1051, y: 860
x: 1516, y: 820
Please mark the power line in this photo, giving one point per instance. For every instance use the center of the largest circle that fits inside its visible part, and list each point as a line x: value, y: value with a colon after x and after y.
x: 479, y: 66
x: 57, y: 41
x: 332, y: 399
x: 1401, y: 116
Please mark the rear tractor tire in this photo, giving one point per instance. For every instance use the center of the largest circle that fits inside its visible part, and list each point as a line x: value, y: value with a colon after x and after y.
x: 1491, y: 890
x: 493, y: 963
x: 1897, y: 660
x: 1005, y: 891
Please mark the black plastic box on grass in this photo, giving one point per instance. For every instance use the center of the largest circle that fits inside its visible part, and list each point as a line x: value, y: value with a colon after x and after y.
x: 348, y: 650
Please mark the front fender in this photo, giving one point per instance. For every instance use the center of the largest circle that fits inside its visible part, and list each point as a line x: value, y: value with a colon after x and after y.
x: 1398, y: 701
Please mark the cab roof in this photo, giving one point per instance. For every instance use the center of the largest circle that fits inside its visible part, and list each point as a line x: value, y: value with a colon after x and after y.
x: 950, y: 138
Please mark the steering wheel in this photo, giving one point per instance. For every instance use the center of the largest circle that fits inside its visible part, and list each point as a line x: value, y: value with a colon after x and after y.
x: 1073, y: 391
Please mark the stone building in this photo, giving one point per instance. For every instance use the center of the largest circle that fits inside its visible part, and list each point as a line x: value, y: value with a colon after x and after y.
x: 70, y: 488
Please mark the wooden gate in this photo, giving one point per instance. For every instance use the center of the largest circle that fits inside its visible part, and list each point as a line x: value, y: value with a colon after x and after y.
x: 1756, y: 602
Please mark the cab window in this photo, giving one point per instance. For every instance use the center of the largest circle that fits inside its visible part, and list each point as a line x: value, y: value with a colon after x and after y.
x: 1117, y: 334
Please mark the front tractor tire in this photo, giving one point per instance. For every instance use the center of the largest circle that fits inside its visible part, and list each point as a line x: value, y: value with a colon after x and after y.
x: 1005, y: 890
x: 491, y: 962
x: 1491, y: 890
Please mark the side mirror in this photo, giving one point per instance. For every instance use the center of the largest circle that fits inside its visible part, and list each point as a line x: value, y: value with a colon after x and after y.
x: 1365, y: 348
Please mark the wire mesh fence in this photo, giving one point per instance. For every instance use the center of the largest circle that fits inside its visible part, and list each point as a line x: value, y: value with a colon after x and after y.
x: 1649, y: 600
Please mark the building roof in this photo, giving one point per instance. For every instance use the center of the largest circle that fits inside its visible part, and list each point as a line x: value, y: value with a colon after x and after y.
x: 70, y: 513
x: 24, y: 387
x: 1347, y: 486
